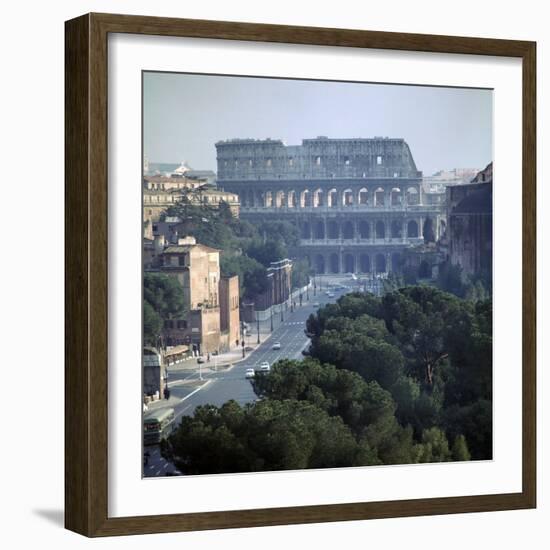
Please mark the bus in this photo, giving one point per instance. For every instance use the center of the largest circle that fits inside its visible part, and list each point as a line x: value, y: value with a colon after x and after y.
x: 157, y: 425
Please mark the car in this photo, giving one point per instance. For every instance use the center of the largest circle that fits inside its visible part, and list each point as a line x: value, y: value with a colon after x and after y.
x: 264, y: 367
x: 331, y: 295
x: 249, y: 373
x: 276, y: 345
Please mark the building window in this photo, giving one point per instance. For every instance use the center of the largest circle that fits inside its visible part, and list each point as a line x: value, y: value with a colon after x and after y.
x: 379, y: 160
x: 182, y: 324
x: 318, y: 161
x: 168, y: 323
x: 346, y: 161
x: 181, y: 260
x: 291, y: 161
x: 250, y: 163
x: 268, y: 162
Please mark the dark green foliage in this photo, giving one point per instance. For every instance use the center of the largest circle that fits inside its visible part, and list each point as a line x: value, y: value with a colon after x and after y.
x: 431, y: 350
x: 252, y: 274
x: 162, y: 299
x: 268, y: 435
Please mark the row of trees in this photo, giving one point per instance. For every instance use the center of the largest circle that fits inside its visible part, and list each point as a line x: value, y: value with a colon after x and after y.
x: 401, y: 379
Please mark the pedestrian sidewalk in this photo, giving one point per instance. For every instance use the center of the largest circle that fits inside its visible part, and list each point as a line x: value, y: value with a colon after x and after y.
x: 223, y: 360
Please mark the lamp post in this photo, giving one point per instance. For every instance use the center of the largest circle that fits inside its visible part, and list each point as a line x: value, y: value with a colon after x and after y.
x: 258, y: 327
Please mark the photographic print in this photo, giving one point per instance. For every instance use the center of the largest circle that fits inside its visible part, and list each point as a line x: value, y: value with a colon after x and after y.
x: 317, y: 274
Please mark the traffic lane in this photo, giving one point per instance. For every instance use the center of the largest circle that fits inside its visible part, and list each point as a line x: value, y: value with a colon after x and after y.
x: 155, y: 465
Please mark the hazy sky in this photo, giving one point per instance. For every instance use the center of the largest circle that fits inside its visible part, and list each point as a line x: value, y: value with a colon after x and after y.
x: 185, y: 115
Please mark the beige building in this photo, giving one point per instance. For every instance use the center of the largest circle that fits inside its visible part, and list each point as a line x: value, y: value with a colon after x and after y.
x: 210, y: 323
x: 161, y: 192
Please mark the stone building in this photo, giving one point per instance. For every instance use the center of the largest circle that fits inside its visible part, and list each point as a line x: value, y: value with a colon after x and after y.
x: 470, y: 233
x: 197, y: 269
x: 358, y: 203
x: 229, y: 311
x: 161, y: 192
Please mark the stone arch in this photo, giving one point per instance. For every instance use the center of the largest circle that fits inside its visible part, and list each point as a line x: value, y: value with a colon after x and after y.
x: 380, y: 263
x: 396, y: 262
x: 349, y: 263
x: 396, y: 229
x: 334, y: 263
x: 424, y: 270
x: 305, y: 198
x: 363, y: 196
x: 396, y: 197
x: 251, y: 198
x: 413, y: 197
x: 412, y: 229
x: 379, y: 197
x: 280, y: 199
x: 347, y: 230
x: 442, y: 228
x: 306, y: 230
x: 428, y: 231
x: 243, y: 198
x: 268, y: 199
x: 380, y: 230
x: 318, y: 198
x: 364, y: 263
x: 332, y: 198
x: 332, y: 230
x: 364, y: 229
x: 319, y: 232
x: 291, y: 198
x: 347, y: 197
x: 319, y: 263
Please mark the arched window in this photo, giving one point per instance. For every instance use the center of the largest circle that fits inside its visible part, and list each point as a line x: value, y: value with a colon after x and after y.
x: 305, y: 198
x: 396, y: 229
x: 364, y: 263
x: 347, y: 197
x: 291, y: 199
x: 364, y: 229
x: 318, y: 198
x: 363, y: 196
x: 320, y: 230
x: 396, y: 262
x: 412, y: 229
x: 380, y: 230
x: 413, y: 196
x: 332, y: 229
x: 268, y: 199
x: 334, y: 263
x: 349, y: 263
x: 319, y: 264
x: 347, y: 230
x: 332, y: 198
x: 306, y: 230
x: 396, y: 197
x: 379, y: 197
x: 380, y: 263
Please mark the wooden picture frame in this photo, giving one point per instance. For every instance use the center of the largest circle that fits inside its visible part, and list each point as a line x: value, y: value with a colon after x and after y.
x: 86, y: 279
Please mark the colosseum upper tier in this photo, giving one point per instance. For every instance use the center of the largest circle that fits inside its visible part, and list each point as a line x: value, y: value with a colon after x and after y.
x: 358, y: 203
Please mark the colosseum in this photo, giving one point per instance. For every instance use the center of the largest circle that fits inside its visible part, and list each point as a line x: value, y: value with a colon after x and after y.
x: 358, y: 203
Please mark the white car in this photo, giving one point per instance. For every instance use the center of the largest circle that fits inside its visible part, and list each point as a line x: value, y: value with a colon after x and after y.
x: 249, y: 373
x: 276, y: 345
x: 264, y: 367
